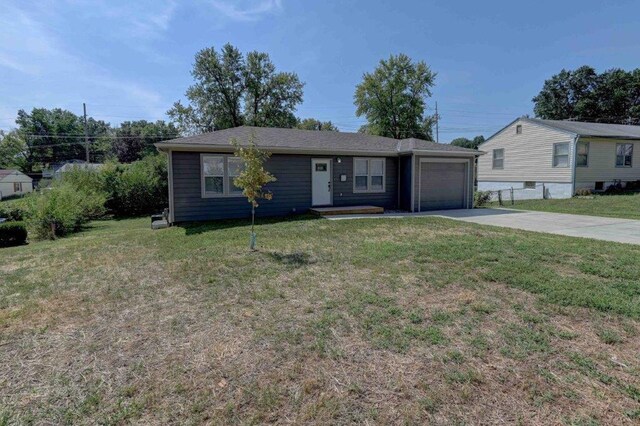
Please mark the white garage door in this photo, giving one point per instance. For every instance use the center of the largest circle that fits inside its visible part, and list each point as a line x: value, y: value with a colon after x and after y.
x: 443, y: 186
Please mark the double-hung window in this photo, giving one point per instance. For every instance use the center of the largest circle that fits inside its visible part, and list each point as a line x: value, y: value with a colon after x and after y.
x: 218, y: 172
x: 368, y: 174
x: 498, y: 158
x: 582, y: 154
x: 17, y: 186
x: 561, y: 154
x: 624, y: 154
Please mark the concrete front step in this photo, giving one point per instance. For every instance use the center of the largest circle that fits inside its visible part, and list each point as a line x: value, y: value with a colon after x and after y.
x: 334, y: 211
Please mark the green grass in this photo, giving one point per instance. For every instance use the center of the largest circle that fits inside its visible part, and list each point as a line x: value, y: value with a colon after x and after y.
x: 625, y: 206
x: 380, y: 321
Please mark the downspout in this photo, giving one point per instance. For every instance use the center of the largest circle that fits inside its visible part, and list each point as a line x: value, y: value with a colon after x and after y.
x: 574, y: 165
x: 399, y: 189
x: 413, y: 183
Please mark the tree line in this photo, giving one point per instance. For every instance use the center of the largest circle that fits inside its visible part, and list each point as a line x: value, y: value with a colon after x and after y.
x: 232, y: 89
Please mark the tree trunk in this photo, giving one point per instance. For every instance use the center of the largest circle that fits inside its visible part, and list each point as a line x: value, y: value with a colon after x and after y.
x: 252, y: 241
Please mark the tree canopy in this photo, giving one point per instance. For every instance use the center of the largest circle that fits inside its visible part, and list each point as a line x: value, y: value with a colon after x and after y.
x: 468, y: 143
x: 393, y: 99
x: 585, y: 95
x: 134, y: 139
x: 44, y: 136
x: 313, y: 124
x: 232, y: 89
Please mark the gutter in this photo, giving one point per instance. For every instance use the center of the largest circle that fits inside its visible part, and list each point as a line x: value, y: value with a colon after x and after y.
x: 331, y: 152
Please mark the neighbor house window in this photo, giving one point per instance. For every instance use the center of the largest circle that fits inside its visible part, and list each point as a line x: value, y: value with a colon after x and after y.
x: 17, y: 187
x: 599, y: 186
x: 368, y: 174
x: 529, y: 185
x: 498, y: 158
x: 624, y: 152
x: 582, y: 154
x: 218, y: 172
x: 561, y: 155
x: 519, y: 129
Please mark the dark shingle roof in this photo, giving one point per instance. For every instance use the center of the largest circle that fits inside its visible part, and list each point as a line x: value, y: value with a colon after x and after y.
x: 4, y: 173
x: 603, y: 130
x: 275, y: 138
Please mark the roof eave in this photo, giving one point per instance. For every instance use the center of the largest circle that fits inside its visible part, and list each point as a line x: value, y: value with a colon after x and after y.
x: 164, y: 147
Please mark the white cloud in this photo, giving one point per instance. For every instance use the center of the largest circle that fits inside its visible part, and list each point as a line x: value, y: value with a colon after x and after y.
x: 246, y: 11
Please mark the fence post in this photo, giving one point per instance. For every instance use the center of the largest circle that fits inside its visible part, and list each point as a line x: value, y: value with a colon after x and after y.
x: 544, y: 192
x: 512, y: 203
x: 500, y: 197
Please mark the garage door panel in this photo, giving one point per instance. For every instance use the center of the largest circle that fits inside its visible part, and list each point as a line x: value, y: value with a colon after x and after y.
x: 442, y: 185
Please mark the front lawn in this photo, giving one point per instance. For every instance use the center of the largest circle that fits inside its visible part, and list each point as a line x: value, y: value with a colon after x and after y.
x: 355, y: 321
x: 626, y: 206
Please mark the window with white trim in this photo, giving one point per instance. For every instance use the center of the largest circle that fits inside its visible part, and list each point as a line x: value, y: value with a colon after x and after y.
x: 519, y: 129
x: 624, y: 154
x: 368, y: 174
x: 498, y: 158
x: 17, y: 186
x: 561, y: 154
x: 218, y: 172
x: 582, y: 154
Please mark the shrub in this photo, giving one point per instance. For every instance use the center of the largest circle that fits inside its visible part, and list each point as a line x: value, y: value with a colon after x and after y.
x: 137, y: 188
x: 481, y: 198
x: 12, y: 234
x: 13, y: 211
x: 583, y: 192
x: 130, y: 189
x: 62, y: 209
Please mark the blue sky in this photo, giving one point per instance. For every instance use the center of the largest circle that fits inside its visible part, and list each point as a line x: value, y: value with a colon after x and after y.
x: 132, y: 59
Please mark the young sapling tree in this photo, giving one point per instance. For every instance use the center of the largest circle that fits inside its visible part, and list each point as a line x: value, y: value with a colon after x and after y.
x: 252, y: 178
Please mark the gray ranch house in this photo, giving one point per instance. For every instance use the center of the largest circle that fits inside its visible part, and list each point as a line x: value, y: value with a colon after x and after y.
x: 553, y: 159
x: 316, y: 169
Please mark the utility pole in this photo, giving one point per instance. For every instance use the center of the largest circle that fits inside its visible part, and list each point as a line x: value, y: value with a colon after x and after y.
x: 437, y: 129
x: 86, y: 131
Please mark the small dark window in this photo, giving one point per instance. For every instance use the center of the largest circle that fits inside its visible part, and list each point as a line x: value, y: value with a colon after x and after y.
x: 498, y: 158
x: 599, y: 186
x: 529, y: 185
x: 519, y: 129
x: 321, y: 167
x: 624, y: 154
x: 17, y: 187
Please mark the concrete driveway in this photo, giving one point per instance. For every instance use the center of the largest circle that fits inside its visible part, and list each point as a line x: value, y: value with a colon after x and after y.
x: 599, y: 228
x: 573, y: 225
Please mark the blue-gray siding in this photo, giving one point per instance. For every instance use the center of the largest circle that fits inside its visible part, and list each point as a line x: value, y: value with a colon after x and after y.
x: 291, y: 192
x: 405, y: 182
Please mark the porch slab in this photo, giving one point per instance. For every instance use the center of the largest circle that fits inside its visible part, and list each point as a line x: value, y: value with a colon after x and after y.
x: 346, y: 210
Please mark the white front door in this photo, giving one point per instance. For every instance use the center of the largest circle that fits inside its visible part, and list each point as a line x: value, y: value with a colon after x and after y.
x: 320, y: 182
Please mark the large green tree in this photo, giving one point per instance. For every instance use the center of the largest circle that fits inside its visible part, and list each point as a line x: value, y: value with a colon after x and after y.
x: 468, y: 143
x: 13, y: 151
x: 585, y: 95
x: 393, y: 98
x: 54, y: 135
x: 232, y: 89
x: 313, y: 124
x: 134, y: 140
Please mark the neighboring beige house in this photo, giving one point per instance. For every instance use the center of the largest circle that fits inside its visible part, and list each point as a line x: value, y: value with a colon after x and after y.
x: 13, y: 182
x: 553, y: 159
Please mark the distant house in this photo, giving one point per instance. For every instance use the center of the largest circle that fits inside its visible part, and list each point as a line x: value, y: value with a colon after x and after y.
x: 13, y: 182
x: 56, y: 170
x: 555, y: 158
x: 316, y: 169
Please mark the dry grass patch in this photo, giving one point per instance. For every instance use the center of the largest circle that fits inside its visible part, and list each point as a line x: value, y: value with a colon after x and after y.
x: 379, y: 321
